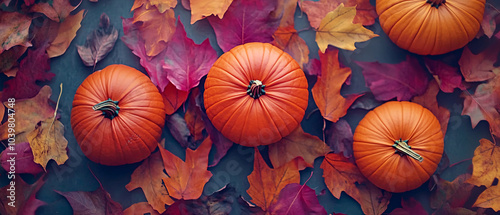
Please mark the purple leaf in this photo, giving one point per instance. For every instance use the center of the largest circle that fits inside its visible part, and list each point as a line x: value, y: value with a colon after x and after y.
x: 340, y: 138
x: 297, y: 199
x: 448, y: 77
x: 23, y: 159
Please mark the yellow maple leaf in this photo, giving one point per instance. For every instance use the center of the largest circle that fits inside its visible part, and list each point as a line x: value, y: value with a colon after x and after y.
x: 490, y: 198
x: 48, y: 143
x: 337, y: 29
x: 203, y: 8
x: 486, y: 164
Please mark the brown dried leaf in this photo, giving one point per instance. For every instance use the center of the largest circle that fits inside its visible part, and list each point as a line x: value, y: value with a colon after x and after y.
x: 99, y: 43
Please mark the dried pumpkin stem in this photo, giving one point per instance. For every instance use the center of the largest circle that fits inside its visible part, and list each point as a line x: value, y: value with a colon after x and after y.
x: 256, y: 89
x: 403, y: 147
x: 108, y: 107
x: 436, y: 3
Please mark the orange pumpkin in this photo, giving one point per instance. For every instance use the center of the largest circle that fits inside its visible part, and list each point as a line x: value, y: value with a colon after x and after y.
x: 430, y: 27
x: 117, y: 116
x: 255, y: 94
x: 398, y: 145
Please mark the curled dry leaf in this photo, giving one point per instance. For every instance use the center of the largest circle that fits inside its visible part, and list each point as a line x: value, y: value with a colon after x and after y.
x: 33, y: 68
x: 297, y: 144
x: 337, y: 29
x: 23, y: 159
x: 193, y: 117
x: 246, y: 21
x: 56, y: 10
x: 486, y: 164
x: 148, y: 176
x: 99, y: 43
x: 95, y: 202
x: 155, y: 28
x: 201, y: 8
x: 316, y: 10
x: 65, y: 34
x: 140, y: 208
x: 34, y: 110
x: 326, y: 91
x: 180, y: 131
x: 403, y: 80
x: 25, y: 201
x: 267, y: 183
x: 296, y: 199
x: 48, y: 143
x: 14, y: 30
x: 185, y: 72
x: 186, y: 179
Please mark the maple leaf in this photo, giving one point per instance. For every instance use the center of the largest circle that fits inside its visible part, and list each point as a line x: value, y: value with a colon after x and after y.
x: 316, y: 10
x: 297, y: 144
x: 266, y: 183
x: 484, y: 104
x: 478, y: 67
x: 14, y: 30
x: 326, y: 91
x: 446, y: 76
x: 373, y: 200
x: 65, y: 34
x: 246, y: 21
x: 409, y: 207
x: 403, y: 80
x: 48, y: 143
x: 486, y: 164
x: 429, y: 101
x: 186, y: 72
x: 193, y: 117
x: 161, y: 5
x: 218, y: 203
x: 25, y: 196
x: 95, y: 202
x: 490, y: 18
x: 33, y: 111
x: 99, y: 43
x: 56, y: 10
x: 339, y: 137
x: 201, y: 8
x: 337, y: 29
x: 155, y: 28
x: 341, y: 175
x: 23, y: 159
x: 287, y: 39
x: 490, y: 198
x: 153, y: 65
x: 449, y: 196
x: 297, y: 199
x: 34, y: 67
x: 186, y: 179
x: 148, y: 176
x: 140, y: 208
x: 9, y: 60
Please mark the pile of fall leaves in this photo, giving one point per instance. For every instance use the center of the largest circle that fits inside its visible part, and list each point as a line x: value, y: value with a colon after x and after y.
x: 33, y: 31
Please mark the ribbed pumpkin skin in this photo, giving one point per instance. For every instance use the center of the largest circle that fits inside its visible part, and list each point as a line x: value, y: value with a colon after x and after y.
x: 265, y: 120
x: 132, y: 135
x: 375, y: 135
x: 418, y: 27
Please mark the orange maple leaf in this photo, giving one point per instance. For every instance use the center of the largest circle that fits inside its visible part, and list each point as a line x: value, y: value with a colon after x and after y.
x: 326, y: 91
x: 486, y: 164
x: 287, y: 39
x: 148, y: 176
x: 297, y: 144
x: 202, y: 8
x: 267, y: 183
x: 186, y: 179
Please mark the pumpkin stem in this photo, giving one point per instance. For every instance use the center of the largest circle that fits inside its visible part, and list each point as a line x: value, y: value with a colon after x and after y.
x: 256, y: 89
x: 108, y: 107
x: 436, y: 3
x: 403, y: 147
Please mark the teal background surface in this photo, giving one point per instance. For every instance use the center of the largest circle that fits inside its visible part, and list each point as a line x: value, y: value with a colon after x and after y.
x: 75, y: 175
